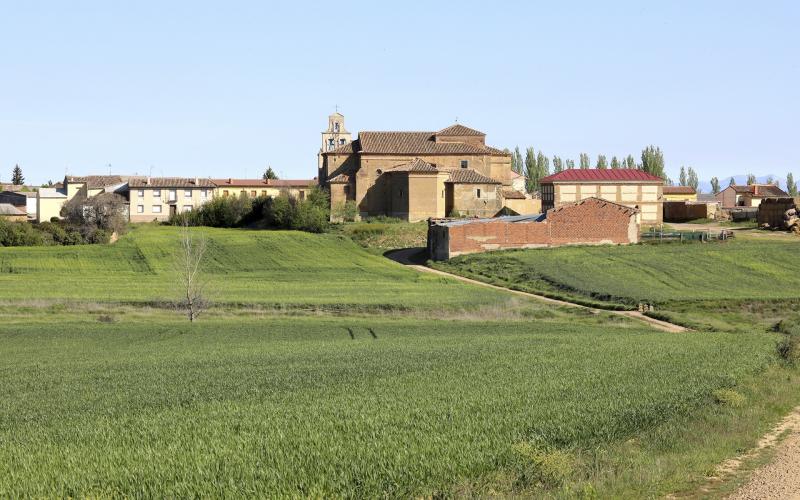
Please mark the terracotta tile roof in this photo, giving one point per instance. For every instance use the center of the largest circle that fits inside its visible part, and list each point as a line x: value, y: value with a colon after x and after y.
x: 760, y: 190
x: 410, y: 143
x: 459, y: 130
x: 599, y: 201
x: 97, y: 181
x: 52, y: 193
x: 602, y: 175
x: 292, y: 182
x: 415, y: 165
x: 679, y: 190
x: 261, y: 183
x: 512, y: 194
x: 469, y: 176
x: 168, y: 182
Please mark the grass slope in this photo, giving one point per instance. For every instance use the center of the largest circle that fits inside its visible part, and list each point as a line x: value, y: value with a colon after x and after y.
x: 300, y: 407
x: 273, y: 268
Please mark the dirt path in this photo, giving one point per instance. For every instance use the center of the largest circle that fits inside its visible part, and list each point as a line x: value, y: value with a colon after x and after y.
x: 406, y: 257
x: 779, y: 479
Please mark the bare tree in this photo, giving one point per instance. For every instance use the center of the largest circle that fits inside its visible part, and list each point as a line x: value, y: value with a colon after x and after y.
x: 190, y: 262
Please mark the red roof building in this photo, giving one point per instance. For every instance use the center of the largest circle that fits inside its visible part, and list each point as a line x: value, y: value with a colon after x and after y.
x: 632, y: 188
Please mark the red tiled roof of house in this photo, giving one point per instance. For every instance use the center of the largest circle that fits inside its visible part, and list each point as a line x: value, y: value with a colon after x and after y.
x: 512, y: 194
x: 459, y: 130
x: 679, y: 190
x: 230, y: 182
x: 292, y: 182
x: 97, y: 181
x: 760, y: 190
x: 411, y: 143
x: 469, y: 176
x: 168, y: 182
x: 602, y: 175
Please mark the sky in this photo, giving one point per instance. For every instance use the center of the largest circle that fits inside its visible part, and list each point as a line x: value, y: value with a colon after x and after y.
x: 224, y: 89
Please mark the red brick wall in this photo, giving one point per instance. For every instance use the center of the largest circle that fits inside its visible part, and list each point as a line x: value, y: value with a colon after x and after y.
x: 588, y: 222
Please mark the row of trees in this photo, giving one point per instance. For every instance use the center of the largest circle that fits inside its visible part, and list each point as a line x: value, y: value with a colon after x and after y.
x: 535, y: 165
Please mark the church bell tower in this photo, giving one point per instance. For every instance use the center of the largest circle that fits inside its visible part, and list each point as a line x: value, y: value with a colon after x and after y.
x: 336, y: 135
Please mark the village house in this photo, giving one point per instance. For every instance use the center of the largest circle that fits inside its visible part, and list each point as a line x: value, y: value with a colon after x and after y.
x: 11, y: 213
x: 253, y: 188
x: 157, y: 198
x: 679, y: 193
x: 49, y: 201
x: 630, y: 187
x: 750, y: 195
x: 417, y: 175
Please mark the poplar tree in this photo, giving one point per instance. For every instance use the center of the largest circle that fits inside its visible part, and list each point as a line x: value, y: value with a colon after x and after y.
x: 791, y: 186
x: 682, y: 177
x: 601, y: 162
x: 17, y: 178
x: 532, y: 180
x: 714, y: 185
x: 614, y: 162
x: 558, y: 164
x: 584, y: 159
x: 692, y: 180
x: 732, y: 182
x: 653, y: 161
x: 517, y: 164
x: 751, y: 179
x: 570, y: 164
x: 542, y: 165
x: 630, y: 163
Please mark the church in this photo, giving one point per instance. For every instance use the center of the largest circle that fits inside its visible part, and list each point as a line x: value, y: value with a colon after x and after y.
x: 418, y: 175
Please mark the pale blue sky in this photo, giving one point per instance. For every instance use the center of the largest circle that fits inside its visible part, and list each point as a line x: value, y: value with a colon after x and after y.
x: 227, y: 88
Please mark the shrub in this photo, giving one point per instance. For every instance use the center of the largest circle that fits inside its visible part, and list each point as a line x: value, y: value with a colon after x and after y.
x: 229, y: 211
x: 106, y: 212
x: 549, y: 468
x: 789, y: 348
x: 345, y: 212
x: 728, y: 397
x: 17, y: 234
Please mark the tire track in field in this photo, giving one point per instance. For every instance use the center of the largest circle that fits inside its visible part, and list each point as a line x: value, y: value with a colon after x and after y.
x: 404, y: 257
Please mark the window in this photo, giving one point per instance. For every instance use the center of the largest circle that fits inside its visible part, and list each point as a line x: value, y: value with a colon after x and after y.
x: 187, y: 193
x: 253, y: 193
x: 204, y: 194
x: 187, y: 208
x: 156, y: 209
x: 225, y: 193
x: 173, y: 195
x: 141, y: 193
x: 139, y: 209
x: 156, y: 193
x: 341, y: 142
x: 464, y: 163
x: 336, y: 126
x: 330, y: 144
x: 263, y: 192
x: 302, y: 195
x: 478, y: 192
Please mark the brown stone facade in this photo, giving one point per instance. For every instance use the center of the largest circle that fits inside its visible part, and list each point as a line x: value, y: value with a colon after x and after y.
x: 588, y: 222
x: 467, y: 176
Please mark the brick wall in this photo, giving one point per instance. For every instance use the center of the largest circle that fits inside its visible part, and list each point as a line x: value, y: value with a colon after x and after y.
x: 589, y: 222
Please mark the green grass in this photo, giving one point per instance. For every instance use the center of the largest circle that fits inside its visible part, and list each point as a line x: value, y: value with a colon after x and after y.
x: 381, y: 236
x: 297, y: 407
x: 659, y: 274
x: 270, y: 268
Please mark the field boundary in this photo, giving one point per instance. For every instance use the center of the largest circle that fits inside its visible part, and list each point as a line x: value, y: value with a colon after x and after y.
x: 406, y: 255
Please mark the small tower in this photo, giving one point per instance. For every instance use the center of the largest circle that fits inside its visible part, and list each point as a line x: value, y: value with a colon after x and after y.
x: 335, y: 136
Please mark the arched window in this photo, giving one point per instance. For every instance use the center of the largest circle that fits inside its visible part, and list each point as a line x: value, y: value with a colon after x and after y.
x: 335, y: 126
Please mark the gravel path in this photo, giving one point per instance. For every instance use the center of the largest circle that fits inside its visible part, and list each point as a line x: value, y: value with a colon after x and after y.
x: 779, y: 479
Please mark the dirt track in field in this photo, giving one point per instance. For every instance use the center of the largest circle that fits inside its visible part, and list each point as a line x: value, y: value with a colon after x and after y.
x: 407, y: 258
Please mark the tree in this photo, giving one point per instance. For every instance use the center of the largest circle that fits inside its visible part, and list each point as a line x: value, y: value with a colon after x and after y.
x: 542, y: 165
x: 714, y: 185
x: 189, y: 264
x: 601, y: 162
x: 692, y: 180
x: 98, y: 217
x: 584, y: 159
x: 518, y: 162
x: 532, y: 181
x: 751, y: 179
x: 630, y: 163
x: 791, y: 186
x: 17, y: 178
x: 558, y: 164
x: 269, y: 174
x: 732, y: 182
x: 615, y: 162
x: 570, y: 164
x: 682, y: 177
x: 770, y: 180
x: 653, y: 161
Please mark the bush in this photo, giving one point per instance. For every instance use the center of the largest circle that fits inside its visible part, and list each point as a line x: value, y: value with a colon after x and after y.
x: 549, y: 468
x: 18, y: 234
x: 789, y: 348
x: 345, y: 212
x: 728, y: 397
x: 229, y: 211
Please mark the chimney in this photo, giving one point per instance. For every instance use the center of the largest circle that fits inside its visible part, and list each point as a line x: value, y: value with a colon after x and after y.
x: 196, y: 181
x: 230, y: 180
x: 147, y: 182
